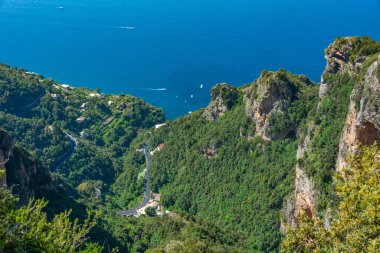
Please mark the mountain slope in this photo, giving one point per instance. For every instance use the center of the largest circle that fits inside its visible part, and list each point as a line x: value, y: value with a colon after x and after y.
x: 23, y: 173
x: 232, y: 174
x: 252, y: 161
x: 219, y: 169
x: 42, y: 115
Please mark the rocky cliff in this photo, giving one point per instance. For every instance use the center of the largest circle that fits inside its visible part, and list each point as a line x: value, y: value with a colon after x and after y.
x: 345, y: 54
x: 223, y: 97
x: 23, y: 174
x: 347, y: 62
x: 268, y: 100
x: 363, y: 119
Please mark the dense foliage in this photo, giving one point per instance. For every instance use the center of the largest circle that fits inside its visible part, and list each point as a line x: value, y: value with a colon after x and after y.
x: 211, y: 170
x: 40, y: 113
x: 18, y: 89
x: 224, y: 184
x: 357, y: 46
x: 45, y: 141
x: 26, y: 229
x: 327, y: 118
x: 357, y: 227
x: 170, y: 233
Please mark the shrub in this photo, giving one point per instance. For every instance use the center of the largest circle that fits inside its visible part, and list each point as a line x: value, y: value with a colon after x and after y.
x: 151, y: 211
x: 356, y: 229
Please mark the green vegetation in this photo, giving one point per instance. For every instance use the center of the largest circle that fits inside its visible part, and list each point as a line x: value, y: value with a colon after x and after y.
x: 356, y: 46
x: 224, y: 186
x: 330, y: 116
x: 43, y: 111
x: 297, y: 102
x: 18, y: 88
x: 169, y: 233
x: 151, y: 211
x: 26, y: 229
x: 356, y: 229
x: 240, y: 188
x: 45, y: 141
x: 228, y: 93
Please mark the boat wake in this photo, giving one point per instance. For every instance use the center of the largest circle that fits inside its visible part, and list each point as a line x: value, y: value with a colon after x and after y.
x: 126, y: 27
x: 157, y: 89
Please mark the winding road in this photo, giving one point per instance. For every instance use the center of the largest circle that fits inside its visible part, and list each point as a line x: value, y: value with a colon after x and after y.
x: 73, y: 141
x: 133, y: 212
x: 67, y: 154
x: 30, y: 106
x: 73, y: 144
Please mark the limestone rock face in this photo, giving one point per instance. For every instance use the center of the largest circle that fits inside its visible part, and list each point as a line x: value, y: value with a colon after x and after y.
x: 338, y: 60
x: 362, y: 123
x: 6, y: 151
x: 339, y: 57
x: 305, y: 192
x: 223, y: 98
x: 23, y: 173
x: 270, y: 95
x: 363, y: 119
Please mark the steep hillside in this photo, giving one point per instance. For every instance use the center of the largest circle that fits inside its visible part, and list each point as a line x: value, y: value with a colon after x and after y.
x: 346, y: 116
x: 261, y: 154
x: 21, y: 172
x: 79, y: 133
x: 221, y: 169
x: 232, y: 175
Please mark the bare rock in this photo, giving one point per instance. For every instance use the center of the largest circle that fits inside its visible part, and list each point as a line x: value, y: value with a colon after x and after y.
x: 223, y: 98
x: 26, y: 176
x: 363, y: 119
x: 270, y: 96
x: 342, y: 55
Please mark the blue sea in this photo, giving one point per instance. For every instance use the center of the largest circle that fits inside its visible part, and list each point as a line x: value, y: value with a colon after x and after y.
x: 171, y: 52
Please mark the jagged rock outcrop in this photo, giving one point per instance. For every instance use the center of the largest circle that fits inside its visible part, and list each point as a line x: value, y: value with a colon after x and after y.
x: 362, y: 124
x: 343, y: 55
x: 363, y: 119
x: 269, y: 97
x: 6, y: 149
x: 305, y: 190
x: 223, y: 98
x: 23, y: 174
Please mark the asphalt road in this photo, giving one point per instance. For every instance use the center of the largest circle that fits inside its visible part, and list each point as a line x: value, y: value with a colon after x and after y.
x: 67, y: 154
x: 133, y: 212
x: 30, y: 106
x: 73, y: 141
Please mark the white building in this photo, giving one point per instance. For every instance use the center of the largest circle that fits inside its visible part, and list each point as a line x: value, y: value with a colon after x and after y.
x: 94, y: 95
x: 81, y: 119
x: 66, y: 86
x: 159, y: 125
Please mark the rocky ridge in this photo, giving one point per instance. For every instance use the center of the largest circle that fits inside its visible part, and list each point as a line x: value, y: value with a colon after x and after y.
x: 23, y: 173
x: 270, y: 97
x: 362, y: 126
x: 363, y: 120
x: 223, y: 97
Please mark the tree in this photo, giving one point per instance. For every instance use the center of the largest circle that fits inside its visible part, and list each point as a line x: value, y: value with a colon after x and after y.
x: 357, y: 228
x: 26, y: 229
x: 151, y: 211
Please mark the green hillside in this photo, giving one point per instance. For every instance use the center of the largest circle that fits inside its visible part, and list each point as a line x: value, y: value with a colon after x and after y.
x: 257, y: 163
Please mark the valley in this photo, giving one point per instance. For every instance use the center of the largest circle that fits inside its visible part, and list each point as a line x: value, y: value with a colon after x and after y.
x: 257, y: 164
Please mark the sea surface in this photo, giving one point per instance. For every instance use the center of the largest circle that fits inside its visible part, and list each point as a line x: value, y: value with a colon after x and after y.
x: 171, y: 52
